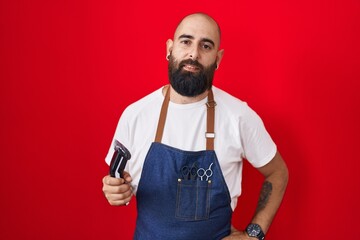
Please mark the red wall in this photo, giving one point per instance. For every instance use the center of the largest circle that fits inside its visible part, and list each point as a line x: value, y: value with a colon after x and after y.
x: 69, y: 68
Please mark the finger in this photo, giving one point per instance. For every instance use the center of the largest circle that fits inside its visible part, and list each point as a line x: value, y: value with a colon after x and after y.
x: 127, y: 177
x: 116, y: 197
x: 118, y: 201
x: 119, y: 196
x: 118, y: 189
x: 108, y: 180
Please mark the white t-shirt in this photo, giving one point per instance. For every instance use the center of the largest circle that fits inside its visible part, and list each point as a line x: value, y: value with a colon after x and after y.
x: 239, y: 134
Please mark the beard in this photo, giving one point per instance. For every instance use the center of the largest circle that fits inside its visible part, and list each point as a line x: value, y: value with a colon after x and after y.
x: 190, y: 84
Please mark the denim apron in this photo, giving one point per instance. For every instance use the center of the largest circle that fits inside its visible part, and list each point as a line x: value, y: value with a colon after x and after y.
x: 173, y: 205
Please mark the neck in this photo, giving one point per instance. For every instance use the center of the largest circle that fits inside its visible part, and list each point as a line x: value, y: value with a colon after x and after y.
x: 179, y: 99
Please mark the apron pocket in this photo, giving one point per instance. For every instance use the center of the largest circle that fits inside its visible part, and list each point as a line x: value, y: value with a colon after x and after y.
x: 193, y: 200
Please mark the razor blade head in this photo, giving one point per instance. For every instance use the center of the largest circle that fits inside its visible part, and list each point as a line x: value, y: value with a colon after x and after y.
x: 120, y: 147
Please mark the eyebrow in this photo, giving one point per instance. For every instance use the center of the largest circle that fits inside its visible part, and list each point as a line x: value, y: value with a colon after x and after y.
x: 192, y: 37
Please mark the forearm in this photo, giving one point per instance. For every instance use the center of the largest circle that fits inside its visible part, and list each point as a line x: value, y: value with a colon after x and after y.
x: 270, y: 199
x: 271, y: 194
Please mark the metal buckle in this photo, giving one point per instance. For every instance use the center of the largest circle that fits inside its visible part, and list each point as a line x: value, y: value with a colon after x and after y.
x: 211, y: 104
x: 210, y: 135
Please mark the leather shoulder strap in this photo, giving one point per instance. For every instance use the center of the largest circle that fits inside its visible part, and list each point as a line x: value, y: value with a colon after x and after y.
x: 210, y: 122
x: 163, y: 113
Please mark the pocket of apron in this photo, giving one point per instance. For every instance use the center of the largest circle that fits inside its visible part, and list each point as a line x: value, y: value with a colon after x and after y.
x: 193, y: 200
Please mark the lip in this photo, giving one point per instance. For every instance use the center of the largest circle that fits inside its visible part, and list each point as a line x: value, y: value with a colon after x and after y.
x: 191, y: 68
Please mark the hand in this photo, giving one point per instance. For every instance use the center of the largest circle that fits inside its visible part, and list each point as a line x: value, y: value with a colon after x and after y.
x: 238, y: 235
x: 117, y: 191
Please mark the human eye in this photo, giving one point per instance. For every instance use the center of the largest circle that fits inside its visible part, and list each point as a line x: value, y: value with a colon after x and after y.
x: 207, y: 46
x: 185, y: 42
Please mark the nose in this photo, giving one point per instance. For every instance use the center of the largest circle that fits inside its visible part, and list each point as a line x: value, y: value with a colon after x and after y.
x: 194, y: 53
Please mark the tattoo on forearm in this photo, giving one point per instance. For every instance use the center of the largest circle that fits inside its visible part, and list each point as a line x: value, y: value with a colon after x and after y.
x: 264, y: 196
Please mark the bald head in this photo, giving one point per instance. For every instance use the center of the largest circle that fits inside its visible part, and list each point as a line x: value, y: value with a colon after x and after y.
x: 199, y: 22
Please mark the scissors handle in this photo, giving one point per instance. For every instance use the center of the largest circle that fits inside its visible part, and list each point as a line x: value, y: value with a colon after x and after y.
x: 189, y: 173
x: 185, y: 171
x: 201, y: 172
x: 210, y: 174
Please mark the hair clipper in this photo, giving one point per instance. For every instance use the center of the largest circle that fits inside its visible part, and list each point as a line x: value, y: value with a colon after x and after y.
x: 119, y: 160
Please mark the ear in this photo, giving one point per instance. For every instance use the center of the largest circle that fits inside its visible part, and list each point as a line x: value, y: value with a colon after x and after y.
x: 219, y: 56
x: 169, y: 46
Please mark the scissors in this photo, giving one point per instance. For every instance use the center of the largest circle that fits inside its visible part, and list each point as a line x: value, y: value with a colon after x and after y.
x: 201, y: 172
x: 189, y: 173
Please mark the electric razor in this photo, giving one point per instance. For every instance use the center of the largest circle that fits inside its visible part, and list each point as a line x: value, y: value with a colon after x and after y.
x: 119, y: 159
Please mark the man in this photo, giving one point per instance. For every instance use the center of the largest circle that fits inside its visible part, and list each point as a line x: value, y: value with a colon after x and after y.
x: 187, y: 142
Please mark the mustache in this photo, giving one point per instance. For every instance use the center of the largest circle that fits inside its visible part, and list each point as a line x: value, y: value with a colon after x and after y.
x: 190, y: 62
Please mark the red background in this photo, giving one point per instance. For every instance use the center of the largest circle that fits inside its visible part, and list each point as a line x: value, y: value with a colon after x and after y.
x: 69, y: 68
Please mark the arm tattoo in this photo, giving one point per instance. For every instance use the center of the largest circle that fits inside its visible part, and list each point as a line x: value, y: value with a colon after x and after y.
x: 264, y: 196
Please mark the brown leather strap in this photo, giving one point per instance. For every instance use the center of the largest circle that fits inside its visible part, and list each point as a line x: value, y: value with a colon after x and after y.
x: 163, y: 113
x: 210, y: 121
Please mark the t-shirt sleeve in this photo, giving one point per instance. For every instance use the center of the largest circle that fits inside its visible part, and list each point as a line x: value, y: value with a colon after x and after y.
x: 121, y: 135
x: 259, y: 148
